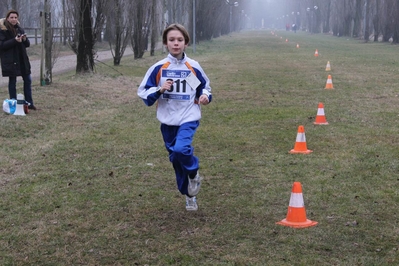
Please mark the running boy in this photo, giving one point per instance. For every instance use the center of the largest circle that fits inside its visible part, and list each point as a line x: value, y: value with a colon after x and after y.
x: 180, y: 86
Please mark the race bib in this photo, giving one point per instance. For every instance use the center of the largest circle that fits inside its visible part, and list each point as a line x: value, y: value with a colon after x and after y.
x: 181, y: 89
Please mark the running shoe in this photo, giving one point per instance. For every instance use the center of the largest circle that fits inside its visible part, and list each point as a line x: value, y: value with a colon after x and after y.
x: 191, y: 203
x: 194, y: 185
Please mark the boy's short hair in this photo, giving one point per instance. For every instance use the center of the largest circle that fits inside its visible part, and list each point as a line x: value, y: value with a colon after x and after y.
x: 178, y: 27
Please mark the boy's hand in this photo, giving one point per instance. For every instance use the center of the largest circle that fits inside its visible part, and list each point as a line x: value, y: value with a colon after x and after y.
x: 166, y: 86
x: 203, y: 99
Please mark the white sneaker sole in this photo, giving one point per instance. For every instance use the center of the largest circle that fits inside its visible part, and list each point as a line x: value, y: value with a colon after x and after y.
x: 192, y: 207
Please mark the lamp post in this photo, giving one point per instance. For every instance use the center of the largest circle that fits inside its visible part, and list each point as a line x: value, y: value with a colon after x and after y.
x: 296, y: 14
x: 311, y: 26
x: 242, y: 19
x: 231, y: 11
x: 286, y: 23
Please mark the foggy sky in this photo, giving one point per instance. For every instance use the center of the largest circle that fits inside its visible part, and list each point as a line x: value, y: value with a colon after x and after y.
x: 268, y: 11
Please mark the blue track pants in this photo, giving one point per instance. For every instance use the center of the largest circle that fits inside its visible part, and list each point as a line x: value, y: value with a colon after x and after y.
x: 178, y: 140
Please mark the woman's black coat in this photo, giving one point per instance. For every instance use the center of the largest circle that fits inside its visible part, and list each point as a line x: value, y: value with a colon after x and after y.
x: 14, y: 59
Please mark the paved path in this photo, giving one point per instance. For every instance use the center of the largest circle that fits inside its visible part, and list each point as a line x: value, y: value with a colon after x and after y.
x: 63, y: 64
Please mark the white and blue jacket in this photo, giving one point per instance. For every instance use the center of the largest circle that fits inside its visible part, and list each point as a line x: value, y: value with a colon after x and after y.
x: 180, y: 104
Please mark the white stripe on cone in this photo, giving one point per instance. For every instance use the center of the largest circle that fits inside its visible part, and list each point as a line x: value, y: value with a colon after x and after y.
x: 296, y: 200
x: 300, y: 137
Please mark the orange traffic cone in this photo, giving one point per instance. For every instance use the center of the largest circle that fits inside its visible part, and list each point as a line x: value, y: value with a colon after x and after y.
x: 329, y: 84
x: 296, y: 215
x: 328, y: 67
x: 286, y: 40
x: 316, y: 53
x: 297, y: 45
x: 320, y: 117
x: 300, y: 144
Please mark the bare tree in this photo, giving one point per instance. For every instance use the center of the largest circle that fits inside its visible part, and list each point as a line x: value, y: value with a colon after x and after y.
x: 219, y: 22
x: 213, y: 19
x: 141, y: 21
x: 376, y: 20
x: 395, y: 36
x: 3, y: 10
x: 327, y: 15
x: 118, y: 28
x: 367, y: 21
x: 178, y: 11
x: 99, y: 18
x: 85, y: 60
x: 343, y: 13
x: 388, y: 20
x: 357, y: 18
x: 14, y: 4
x: 84, y: 22
x: 47, y: 43
x: 155, y: 25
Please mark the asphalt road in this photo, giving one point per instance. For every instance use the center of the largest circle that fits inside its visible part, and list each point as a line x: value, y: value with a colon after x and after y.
x: 63, y: 64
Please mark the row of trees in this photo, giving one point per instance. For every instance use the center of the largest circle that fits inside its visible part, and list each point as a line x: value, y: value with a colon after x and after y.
x: 376, y: 20
x: 139, y: 23
x: 125, y: 22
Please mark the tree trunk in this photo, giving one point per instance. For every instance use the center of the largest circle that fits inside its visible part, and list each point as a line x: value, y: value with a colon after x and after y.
x: 154, y: 27
x: 48, y: 44
x: 85, y: 60
x: 367, y: 26
x: 14, y: 4
x: 376, y: 20
x: 357, y: 19
x: 118, y: 34
x: 99, y: 21
x: 395, y: 37
x: 139, y: 39
x: 326, y: 26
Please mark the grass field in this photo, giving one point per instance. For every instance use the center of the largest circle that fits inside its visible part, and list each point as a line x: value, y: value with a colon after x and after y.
x: 86, y: 180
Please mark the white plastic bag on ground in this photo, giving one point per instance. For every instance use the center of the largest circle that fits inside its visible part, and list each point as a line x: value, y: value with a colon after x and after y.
x: 9, y: 106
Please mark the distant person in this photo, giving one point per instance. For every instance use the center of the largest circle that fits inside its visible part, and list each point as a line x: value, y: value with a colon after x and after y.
x: 294, y: 27
x: 14, y: 59
x: 180, y: 86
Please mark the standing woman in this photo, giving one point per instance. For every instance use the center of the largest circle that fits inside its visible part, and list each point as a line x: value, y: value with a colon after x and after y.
x: 14, y: 59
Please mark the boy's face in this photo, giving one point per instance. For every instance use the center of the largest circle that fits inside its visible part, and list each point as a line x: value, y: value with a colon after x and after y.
x: 13, y: 19
x: 175, y: 43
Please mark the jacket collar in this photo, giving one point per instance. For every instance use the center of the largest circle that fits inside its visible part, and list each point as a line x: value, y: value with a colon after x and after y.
x: 174, y: 60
